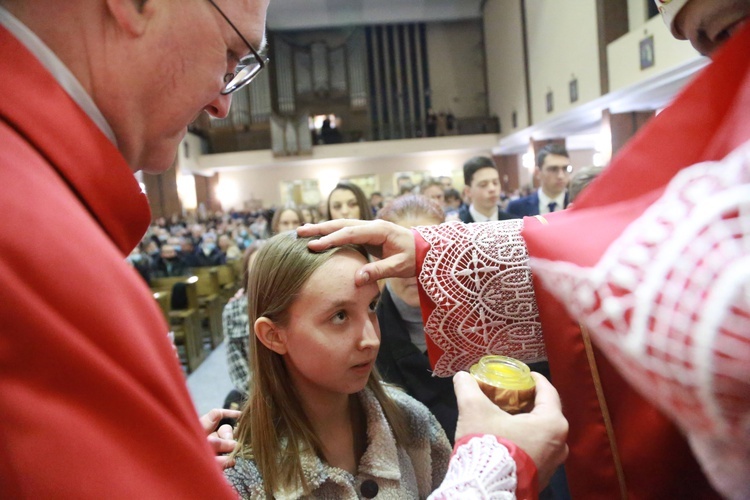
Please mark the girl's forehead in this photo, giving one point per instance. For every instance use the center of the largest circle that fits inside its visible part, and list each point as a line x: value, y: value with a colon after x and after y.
x: 343, y: 193
x: 336, y: 276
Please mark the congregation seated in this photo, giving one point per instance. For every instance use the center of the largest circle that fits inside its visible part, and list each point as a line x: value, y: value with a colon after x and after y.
x: 236, y: 328
x: 208, y: 253
x: 229, y: 248
x: 188, y: 252
x: 141, y: 262
x: 169, y: 264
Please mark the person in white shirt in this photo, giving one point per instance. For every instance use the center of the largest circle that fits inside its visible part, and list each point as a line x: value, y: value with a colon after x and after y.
x: 553, y: 171
x: 482, y: 187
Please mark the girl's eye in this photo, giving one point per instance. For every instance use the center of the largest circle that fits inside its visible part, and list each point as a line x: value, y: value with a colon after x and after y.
x: 352, y: 204
x: 339, y: 317
x: 373, y: 306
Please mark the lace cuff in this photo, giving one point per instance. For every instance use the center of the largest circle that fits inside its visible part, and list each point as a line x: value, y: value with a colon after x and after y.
x: 479, y: 280
x: 480, y: 468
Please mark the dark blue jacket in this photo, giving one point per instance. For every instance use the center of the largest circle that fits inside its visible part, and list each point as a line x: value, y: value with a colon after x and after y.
x: 465, y: 215
x: 528, y: 205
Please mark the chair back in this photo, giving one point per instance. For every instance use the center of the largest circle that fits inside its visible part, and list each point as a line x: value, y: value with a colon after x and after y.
x: 208, y: 280
x: 163, y: 298
x: 238, y: 272
x: 226, y: 275
x: 184, y: 291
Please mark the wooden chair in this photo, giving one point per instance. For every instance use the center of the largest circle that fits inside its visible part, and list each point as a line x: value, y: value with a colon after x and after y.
x: 163, y: 298
x: 184, y: 321
x: 227, y: 281
x: 238, y: 272
x: 210, y: 303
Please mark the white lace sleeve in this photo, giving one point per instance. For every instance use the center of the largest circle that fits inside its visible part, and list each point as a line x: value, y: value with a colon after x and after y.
x: 479, y: 278
x: 482, y: 468
x: 669, y: 303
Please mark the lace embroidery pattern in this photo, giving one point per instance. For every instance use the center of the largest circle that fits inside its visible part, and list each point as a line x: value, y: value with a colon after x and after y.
x: 481, y: 468
x: 669, y: 302
x: 479, y: 278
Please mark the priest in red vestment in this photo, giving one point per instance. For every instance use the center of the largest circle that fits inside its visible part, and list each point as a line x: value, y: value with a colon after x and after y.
x: 92, y: 398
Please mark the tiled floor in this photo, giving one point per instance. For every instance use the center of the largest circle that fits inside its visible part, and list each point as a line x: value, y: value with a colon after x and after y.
x: 210, y: 383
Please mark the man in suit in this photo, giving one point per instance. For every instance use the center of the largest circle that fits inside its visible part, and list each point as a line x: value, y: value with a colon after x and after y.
x: 208, y: 254
x: 482, y: 186
x: 169, y: 263
x: 553, y: 171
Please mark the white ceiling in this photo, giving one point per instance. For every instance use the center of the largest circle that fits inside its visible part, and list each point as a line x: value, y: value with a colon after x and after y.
x: 311, y: 14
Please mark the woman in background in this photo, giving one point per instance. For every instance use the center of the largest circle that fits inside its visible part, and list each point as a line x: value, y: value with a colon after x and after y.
x: 348, y: 201
x: 309, y: 214
x: 237, y: 331
x: 286, y: 219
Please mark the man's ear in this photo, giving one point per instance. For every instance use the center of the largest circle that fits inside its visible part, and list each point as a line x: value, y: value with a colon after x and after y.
x: 270, y: 335
x: 131, y: 15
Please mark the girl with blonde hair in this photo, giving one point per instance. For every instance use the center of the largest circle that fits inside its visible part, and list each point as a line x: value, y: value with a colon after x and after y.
x: 319, y: 422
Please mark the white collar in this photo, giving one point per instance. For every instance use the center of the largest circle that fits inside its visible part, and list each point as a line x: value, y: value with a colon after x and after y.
x: 59, y: 71
x: 545, y: 200
x: 478, y: 217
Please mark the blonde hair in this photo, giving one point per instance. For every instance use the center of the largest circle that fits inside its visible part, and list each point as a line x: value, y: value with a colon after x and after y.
x: 414, y: 207
x: 273, y: 428
x: 581, y: 179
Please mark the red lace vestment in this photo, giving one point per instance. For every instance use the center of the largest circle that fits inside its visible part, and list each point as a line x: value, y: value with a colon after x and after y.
x: 654, y: 261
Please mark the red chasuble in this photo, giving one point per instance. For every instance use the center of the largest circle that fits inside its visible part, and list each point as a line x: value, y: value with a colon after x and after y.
x: 673, y: 325
x: 93, y: 403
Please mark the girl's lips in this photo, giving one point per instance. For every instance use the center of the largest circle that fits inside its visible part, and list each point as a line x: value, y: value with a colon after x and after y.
x: 364, y: 366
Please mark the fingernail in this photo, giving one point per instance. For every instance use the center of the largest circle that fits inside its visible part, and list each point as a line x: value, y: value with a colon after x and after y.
x: 365, y: 276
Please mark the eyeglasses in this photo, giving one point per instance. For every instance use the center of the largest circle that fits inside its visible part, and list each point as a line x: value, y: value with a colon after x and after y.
x: 567, y: 169
x: 248, y: 67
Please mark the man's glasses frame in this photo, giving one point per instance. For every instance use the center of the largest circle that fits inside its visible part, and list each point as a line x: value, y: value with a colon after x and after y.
x: 556, y: 169
x: 248, y: 68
